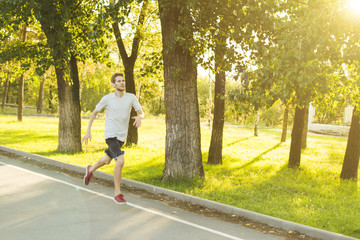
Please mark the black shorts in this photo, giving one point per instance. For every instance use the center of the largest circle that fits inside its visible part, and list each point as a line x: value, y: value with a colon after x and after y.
x: 114, y: 148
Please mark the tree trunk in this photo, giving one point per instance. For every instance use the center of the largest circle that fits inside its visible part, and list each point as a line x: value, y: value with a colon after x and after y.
x: 51, y: 106
x: 132, y: 137
x: 160, y: 104
x: 69, y: 109
x: 183, y: 158
x: 306, y: 127
x: 352, y: 154
x: 285, y: 123
x: 256, y: 123
x: 20, y: 99
x: 59, y: 40
x: 129, y: 63
x: 6, y: 90
x: 41, y: 97
x: 296, y: 138
x: 216, y: 142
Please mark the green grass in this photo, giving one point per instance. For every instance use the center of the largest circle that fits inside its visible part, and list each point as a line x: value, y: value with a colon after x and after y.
x: 254, y: 174
x: 26, y: 110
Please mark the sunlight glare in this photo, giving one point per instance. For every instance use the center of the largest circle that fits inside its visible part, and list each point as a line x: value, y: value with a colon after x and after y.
x: 354, y: 6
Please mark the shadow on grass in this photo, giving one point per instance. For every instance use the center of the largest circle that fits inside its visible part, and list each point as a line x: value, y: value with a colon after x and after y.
x: 257, y: 158
x: 205, y: 154
x: 224, y: 171
x: 237, y: 141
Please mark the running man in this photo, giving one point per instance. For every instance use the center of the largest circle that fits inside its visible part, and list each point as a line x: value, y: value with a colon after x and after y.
x: 118, y: 106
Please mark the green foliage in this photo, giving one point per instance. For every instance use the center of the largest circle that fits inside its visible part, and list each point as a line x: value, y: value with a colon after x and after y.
x: 56, y: 29
x: 229, y: 25
x: 293, y: 58
x: 31, y: 91
x: 329, y: 110
x: 82, y: 30
x: 95, y: 84
x: 203, y: 89
x: 348, y: 34
x: 149, y: 76
x: 149, y: 79
x: 237, y: 110
x: 156, y: 106
x: 273, y: 117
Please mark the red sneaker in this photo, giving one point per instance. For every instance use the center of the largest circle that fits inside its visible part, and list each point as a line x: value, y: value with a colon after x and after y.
x: 88, y: 175
x: 119, y: 199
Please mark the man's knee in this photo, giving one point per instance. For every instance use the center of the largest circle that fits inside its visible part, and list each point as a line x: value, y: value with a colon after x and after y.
x: 120, y: 161
x: 106, y: 160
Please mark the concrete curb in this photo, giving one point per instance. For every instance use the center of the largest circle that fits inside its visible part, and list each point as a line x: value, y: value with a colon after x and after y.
x: 271, y: 221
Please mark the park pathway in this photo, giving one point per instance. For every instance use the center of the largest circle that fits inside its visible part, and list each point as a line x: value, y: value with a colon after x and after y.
x: 44, y: 204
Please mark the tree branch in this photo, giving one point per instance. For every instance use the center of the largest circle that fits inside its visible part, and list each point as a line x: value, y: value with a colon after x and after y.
x: 119, y: 41
x: 138, y: 33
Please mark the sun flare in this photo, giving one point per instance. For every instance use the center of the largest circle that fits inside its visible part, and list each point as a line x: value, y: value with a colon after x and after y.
x: 354, y: 6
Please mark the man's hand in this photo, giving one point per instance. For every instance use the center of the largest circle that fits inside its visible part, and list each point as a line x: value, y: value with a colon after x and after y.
x: 137, y: 121
x: 86, y: 138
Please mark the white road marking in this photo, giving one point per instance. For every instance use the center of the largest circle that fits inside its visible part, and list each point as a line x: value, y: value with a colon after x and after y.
x: 130, y: 204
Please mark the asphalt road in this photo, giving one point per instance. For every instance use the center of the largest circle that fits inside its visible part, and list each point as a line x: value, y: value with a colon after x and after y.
x: 39, y: 204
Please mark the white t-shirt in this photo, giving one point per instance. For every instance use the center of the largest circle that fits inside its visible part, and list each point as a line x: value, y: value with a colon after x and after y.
x: 117, y: 114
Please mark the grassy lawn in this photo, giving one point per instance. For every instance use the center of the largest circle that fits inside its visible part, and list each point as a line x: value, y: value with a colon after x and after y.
x: 253, y: 176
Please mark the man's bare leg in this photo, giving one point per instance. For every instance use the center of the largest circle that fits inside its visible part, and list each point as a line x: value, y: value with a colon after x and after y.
x: 119, y: 163
x: 102, y: 161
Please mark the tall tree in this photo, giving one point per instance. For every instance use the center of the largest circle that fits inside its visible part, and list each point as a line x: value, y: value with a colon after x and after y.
x: 296, y: 137
x: 352, y: 154
x: 13, y: 36
x: 285, y: 123
x: 39, y: 107
x: 306, y: 128
x: 351, y: 160
x: 72, y: 35
x: 20, y: 99
x: 183, y: 156
x: 223, y: 28
x: 129, y: 61
x: 256, y: 123
x: 294, y: 61
x: 347, y: 33
x: 54, y: 17
x: 213, y: 31
x: 6, y: 88
x: 216, y: 142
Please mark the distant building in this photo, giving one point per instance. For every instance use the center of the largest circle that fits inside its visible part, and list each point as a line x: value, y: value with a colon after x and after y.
x: 348, y: 115
x: 311, y: 113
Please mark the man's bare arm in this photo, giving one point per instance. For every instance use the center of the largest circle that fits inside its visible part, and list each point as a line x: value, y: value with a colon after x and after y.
x: 87, y: 135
